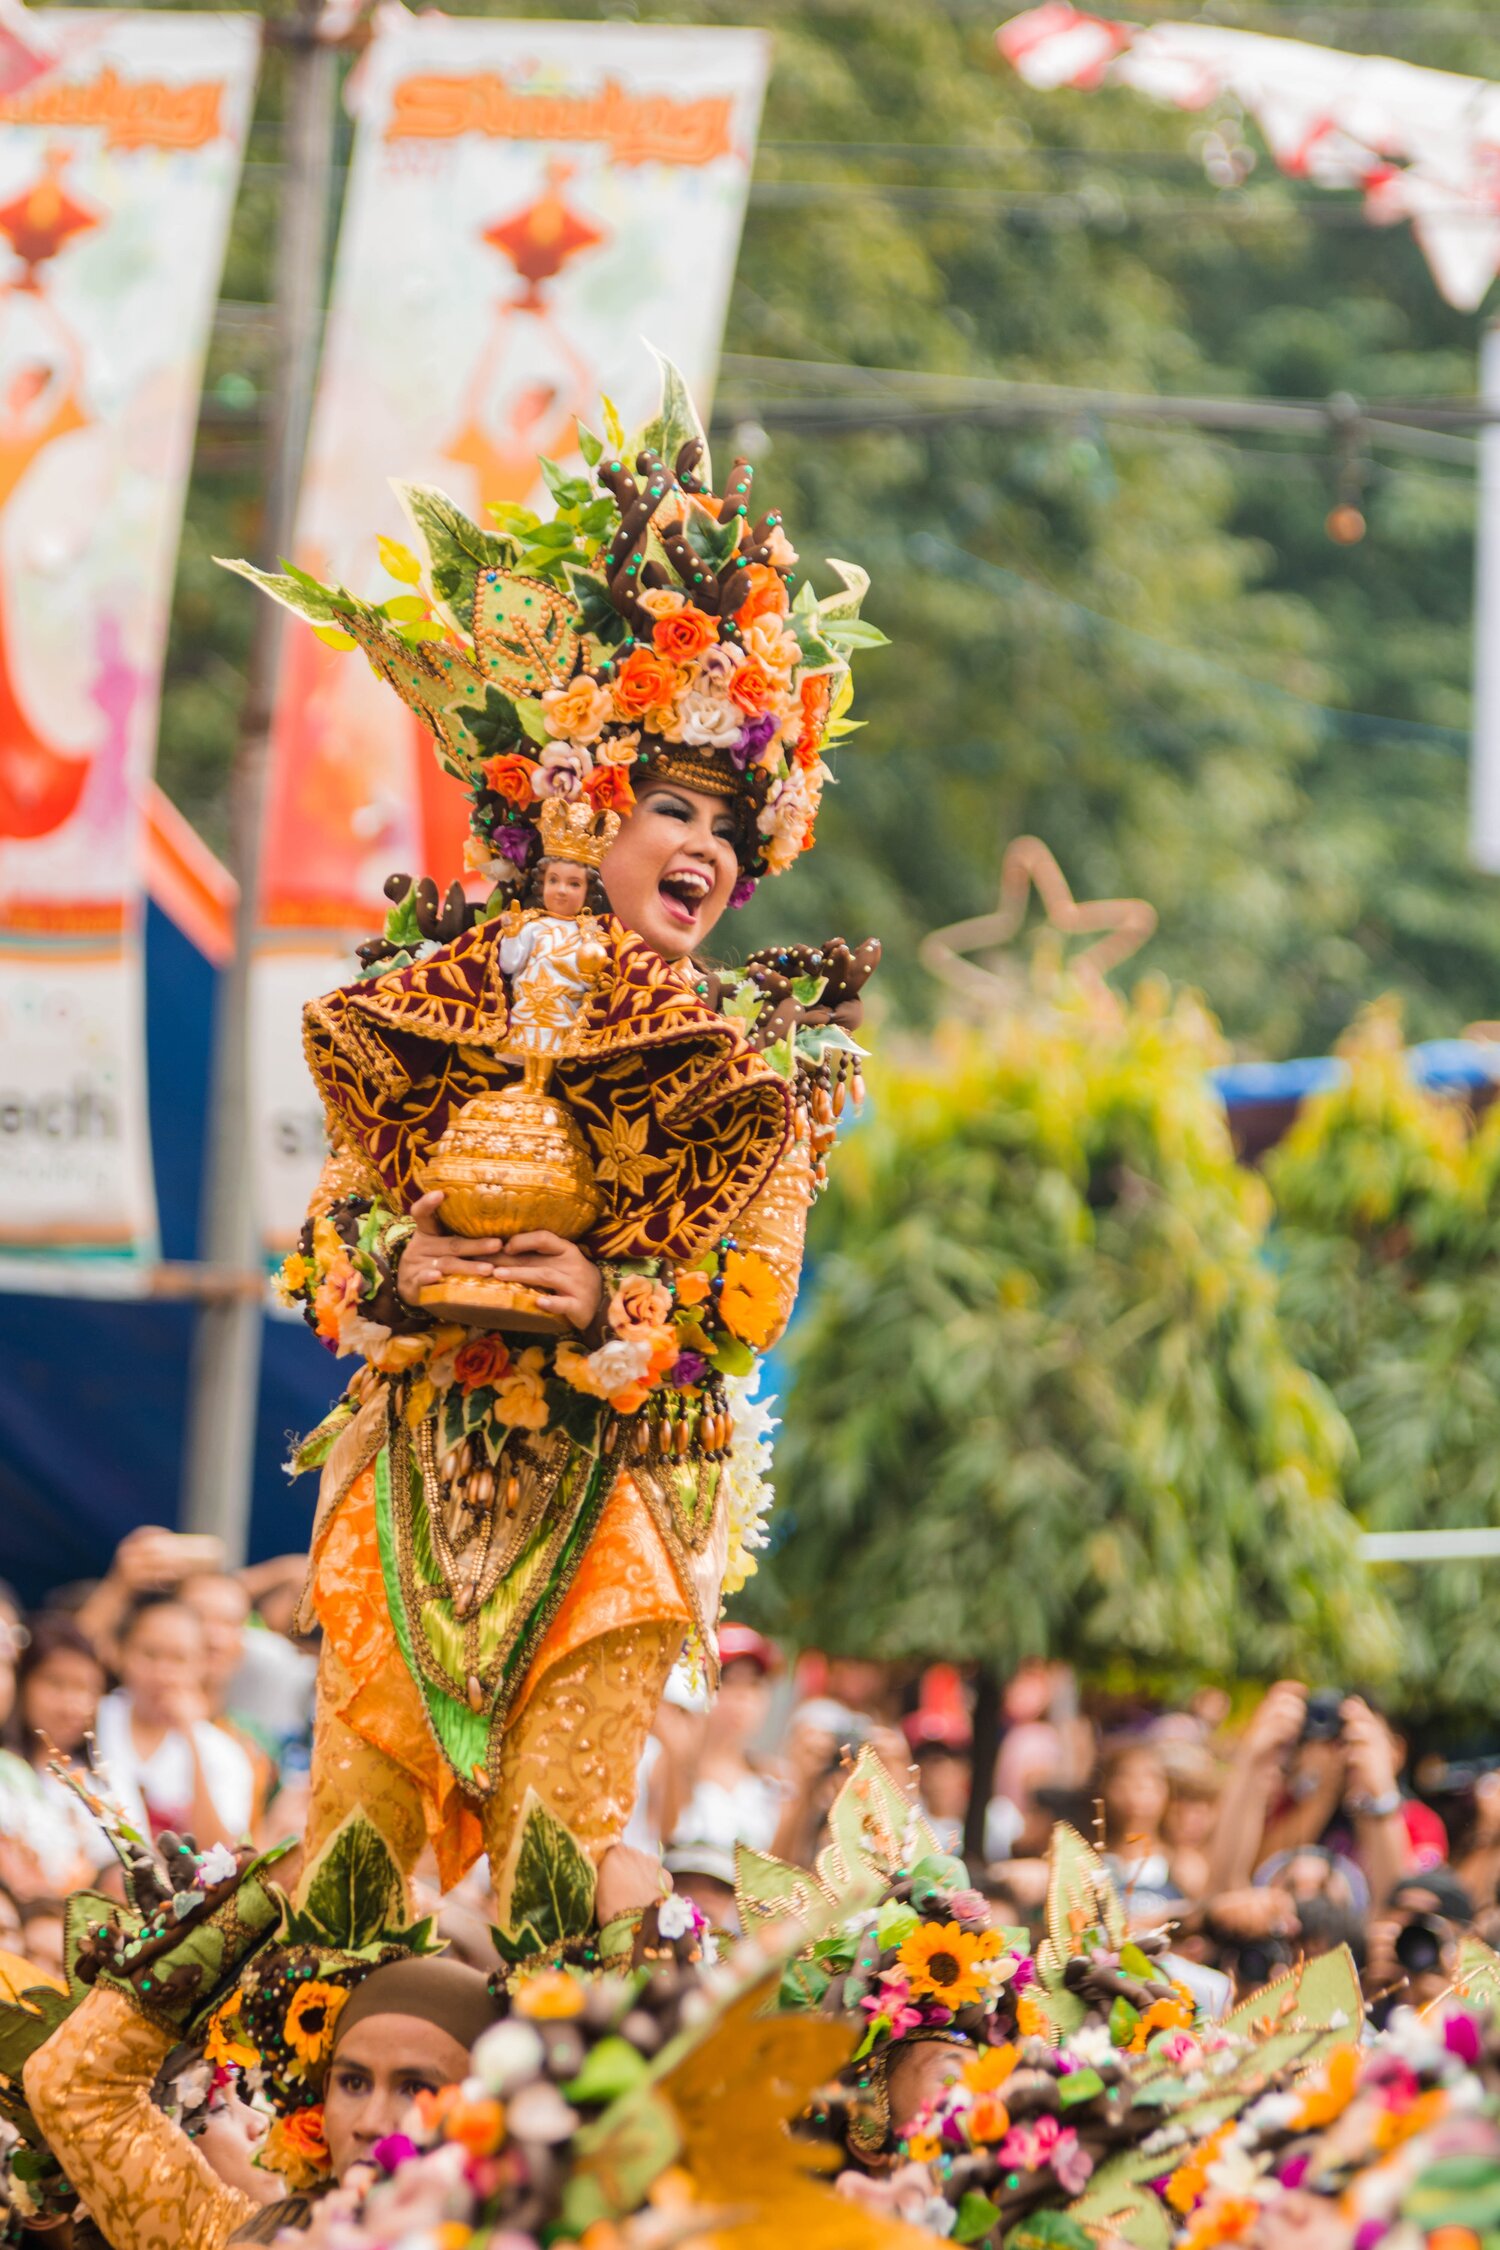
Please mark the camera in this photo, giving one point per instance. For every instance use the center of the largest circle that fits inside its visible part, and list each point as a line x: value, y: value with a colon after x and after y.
x: 1324, y: 1719
x: 1421, y: 1944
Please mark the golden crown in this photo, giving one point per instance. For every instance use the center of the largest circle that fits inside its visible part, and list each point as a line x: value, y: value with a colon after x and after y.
x: 573, y: 830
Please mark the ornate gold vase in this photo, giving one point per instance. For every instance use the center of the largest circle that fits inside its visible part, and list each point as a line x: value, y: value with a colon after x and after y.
x: 508, y: 1163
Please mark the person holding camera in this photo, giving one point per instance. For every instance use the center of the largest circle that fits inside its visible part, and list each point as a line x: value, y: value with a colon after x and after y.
x: 1314, y: 1769
x: 1413, y: 1944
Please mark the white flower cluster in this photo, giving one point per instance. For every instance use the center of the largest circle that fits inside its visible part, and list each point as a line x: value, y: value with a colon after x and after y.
x: 747, y: 1477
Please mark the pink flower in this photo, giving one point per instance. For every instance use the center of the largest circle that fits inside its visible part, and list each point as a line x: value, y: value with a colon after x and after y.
x: 1025, y: 1973
x: 1071, y: 2161
x: 1026, y: 2148
x: 1461, y: 2037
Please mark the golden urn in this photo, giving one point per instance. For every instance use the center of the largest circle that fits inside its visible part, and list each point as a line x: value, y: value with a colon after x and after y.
x: 509, y: 1163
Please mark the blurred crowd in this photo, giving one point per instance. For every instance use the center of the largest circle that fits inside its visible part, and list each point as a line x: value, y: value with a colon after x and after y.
x: 1263, y: 1833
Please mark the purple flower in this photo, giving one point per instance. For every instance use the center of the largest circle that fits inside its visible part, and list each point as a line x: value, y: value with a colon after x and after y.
x: 1461, y: 2037
x: 395, y: 2150
x: 1025, y: 1974
x: 691, y: 1368
x: 514, y: 843
x: 743, y: 892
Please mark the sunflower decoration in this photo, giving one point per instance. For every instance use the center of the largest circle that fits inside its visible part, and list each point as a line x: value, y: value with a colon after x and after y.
x: 314, y: 2011
x: 945, y: 1962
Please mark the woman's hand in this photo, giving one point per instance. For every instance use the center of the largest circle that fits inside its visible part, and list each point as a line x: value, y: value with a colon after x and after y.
x: 431, y: 1254
x: 564, y: 1279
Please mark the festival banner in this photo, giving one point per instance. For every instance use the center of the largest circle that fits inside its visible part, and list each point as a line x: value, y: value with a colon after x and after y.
x: 118, y: 168
x: 530, y: 206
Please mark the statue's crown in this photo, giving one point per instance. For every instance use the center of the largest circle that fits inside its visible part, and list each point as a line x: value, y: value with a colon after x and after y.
x: 574, y: 830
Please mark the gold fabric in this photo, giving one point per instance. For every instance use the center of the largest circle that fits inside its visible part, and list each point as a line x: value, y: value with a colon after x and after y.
x: 577, y: 1743
x: 144, y: 2183
x: 774, y: 1222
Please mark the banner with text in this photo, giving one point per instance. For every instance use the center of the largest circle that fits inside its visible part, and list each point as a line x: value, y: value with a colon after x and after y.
x: 528, y: 205
x: 118, y: 168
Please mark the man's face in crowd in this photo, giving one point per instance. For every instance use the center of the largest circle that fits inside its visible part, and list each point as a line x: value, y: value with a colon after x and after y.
x: 376, y: 2074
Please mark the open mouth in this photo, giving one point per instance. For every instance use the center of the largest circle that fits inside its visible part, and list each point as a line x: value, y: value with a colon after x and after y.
x: 682, y: 891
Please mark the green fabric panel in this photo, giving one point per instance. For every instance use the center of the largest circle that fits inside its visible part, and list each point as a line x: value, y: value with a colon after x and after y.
x: 463, y: 1735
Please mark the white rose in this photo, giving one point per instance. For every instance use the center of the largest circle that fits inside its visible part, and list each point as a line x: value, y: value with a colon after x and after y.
x: 618, y: 1364
x: 769, y: 643
x: 708, y: 721
x: 508, y: 2055
x: 674, y: 1916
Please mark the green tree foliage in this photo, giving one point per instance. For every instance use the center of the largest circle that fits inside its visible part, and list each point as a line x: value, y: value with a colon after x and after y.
x: 1130, y: 642
x: 1041, y: 1403
x: 1389, y: 1243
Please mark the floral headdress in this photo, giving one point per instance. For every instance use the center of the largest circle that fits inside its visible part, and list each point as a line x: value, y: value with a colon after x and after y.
x: 648, y: 630
x: 273, y: 2034
x: 909, y: 1954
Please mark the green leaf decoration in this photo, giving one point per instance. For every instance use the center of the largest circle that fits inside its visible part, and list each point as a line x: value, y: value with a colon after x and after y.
x: 401, y: 924
x: 895, y: 1922
x: 818, y: 655
x: 354, y: 1892
x: 803, y: 1984
x: 854, y: 584
x: 1135, y: 1962
x: 1456, y: 2191
x: 590, y: 446
x: 597, y: 614
x: 1079, y: 2086
x: 1321, y: 1996
x: 457, y: 550
x: 533, y: 724
x: 1122, y: 2020
x: 1476, y: 1973
x: 616, y: 2159
x: 976, y: 2216
x: 675, y: 421
x: 769, y: 1890
x: 733, y: 1357
x: 1080, y: 1898
x: 495, y: 724
x: 851, y: 632
x: 609, y: 2070
x: 524, y: 635
x: 1048, y: 2230
x: 26, y: 2024
x: 296, y: 590
x: 546, y: 1886
x: 713, y: 543
x: 1114, y: 2206
x: 567, y: 491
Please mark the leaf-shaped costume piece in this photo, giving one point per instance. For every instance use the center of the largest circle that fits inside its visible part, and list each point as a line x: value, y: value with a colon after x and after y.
x: 649, y: 629
x: 353, y: 1898
x: 872, y: 1829
x: 545, y: 1890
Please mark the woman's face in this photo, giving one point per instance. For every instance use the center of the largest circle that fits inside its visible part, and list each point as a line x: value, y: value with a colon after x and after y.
x: 376, y: 2074
x: 1135, y: 1796
x: 669, y: 872
x: 61, y: 1699
x: 162, y: 1664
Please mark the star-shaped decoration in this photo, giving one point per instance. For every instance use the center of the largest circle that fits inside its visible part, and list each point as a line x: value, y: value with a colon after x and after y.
x: 971, y: 958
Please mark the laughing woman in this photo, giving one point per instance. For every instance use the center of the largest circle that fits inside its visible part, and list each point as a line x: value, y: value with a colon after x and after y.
x: 524, y: 1514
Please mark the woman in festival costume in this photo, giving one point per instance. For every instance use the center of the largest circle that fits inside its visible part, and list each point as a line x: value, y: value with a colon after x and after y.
x: 208, y: 1992
x: 515, y: 1533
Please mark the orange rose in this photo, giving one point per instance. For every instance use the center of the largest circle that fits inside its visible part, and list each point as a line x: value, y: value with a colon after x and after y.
x: 484, y: 1359
x: 752, y: 688
x: 478, y: 2126
x: 989, y: 2119
x: 638, y: 1304
x: 608, y: 789
x: 767, y: 596
x: 814, y: 699
x: 692, y: 1288
x: 511, y: 776
x: 642, y: 680
x: 296, y: 2149
x: 576, y: 712
x: 683, y: 636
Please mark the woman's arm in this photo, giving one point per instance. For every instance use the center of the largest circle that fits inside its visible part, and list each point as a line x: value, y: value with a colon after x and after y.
x: 141, y: 2177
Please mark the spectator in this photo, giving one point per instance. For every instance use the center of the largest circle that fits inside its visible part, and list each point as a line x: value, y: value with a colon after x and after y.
x: 1478, y: 1866
x: 1195, y: 1783
x: 42, y: 1934
x: 731, y: 1797
x: 1413, y: 1943
x: 705, y: 1874
x: 1314, y: 1770
x: 164, y: 1762
x: 51, y: 1843
x: 221, y: 1605
x: 940, y: 1746
x: 1133, y: 1794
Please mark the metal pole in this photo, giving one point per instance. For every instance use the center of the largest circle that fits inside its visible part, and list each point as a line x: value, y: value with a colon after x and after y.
x: 1484, y: 756
x: 220, y: 1452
